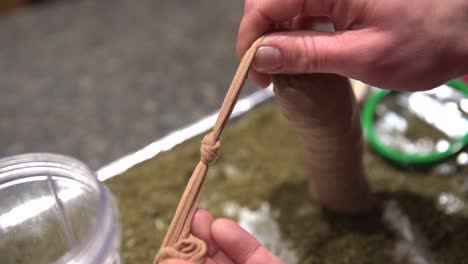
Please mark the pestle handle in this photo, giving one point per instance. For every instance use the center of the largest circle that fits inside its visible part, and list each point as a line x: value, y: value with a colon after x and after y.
x: 323, y: 111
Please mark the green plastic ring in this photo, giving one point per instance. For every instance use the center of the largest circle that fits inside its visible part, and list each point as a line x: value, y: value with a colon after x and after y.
x: 399, y: 157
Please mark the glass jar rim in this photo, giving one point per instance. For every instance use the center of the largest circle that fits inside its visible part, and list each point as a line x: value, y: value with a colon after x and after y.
x: 100, y: 238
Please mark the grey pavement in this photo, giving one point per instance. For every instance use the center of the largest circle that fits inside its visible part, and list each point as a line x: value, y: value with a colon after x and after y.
x: 97, y: 79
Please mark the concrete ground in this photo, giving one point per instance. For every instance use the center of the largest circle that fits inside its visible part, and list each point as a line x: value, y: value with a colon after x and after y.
x: 99, y: 79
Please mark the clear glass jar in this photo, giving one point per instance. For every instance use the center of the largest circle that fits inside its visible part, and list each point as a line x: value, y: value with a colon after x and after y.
x: 54, y: 210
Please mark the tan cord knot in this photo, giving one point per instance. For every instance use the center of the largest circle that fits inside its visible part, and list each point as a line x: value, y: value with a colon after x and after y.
x: 175, y: 244
x: 209, y: 149
x: 191, y: 249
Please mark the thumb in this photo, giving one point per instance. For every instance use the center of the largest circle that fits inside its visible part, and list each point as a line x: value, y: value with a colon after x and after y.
x: 302, y: 52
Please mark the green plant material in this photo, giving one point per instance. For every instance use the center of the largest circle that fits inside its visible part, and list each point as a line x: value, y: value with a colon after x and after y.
x: 261, y: 162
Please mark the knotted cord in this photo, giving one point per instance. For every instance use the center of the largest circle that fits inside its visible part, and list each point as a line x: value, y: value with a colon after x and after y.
x: 178, y: 242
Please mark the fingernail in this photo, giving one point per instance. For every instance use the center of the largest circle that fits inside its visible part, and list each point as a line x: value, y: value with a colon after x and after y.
x: 268, y: 59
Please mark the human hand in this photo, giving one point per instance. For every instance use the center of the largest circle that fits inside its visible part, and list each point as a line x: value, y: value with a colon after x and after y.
x: 400, y: 44
x: 227, y: 242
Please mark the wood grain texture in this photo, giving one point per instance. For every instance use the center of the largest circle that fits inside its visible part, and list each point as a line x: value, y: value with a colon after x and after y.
x: 323, y: 111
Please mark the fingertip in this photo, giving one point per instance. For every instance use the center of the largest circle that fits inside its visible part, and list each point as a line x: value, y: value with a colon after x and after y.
x: 260, y: 79
x: 201, y: 228
x: 239, y: 45
x: 252, y: 26
x: 201, y: 224
x: 201, y: 216
x: 237, y: 243
x: 223, y: 224
x: 240, y: 245
x: 243, y: 40
x: 225, y: 232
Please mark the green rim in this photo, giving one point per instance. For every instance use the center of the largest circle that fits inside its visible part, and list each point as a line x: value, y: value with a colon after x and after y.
x: 401, y: 157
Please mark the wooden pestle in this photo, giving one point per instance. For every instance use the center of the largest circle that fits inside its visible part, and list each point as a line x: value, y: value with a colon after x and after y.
x: 323, y: 111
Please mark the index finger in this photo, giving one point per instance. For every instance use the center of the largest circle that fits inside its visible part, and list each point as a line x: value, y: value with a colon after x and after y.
x: 260, y: 17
